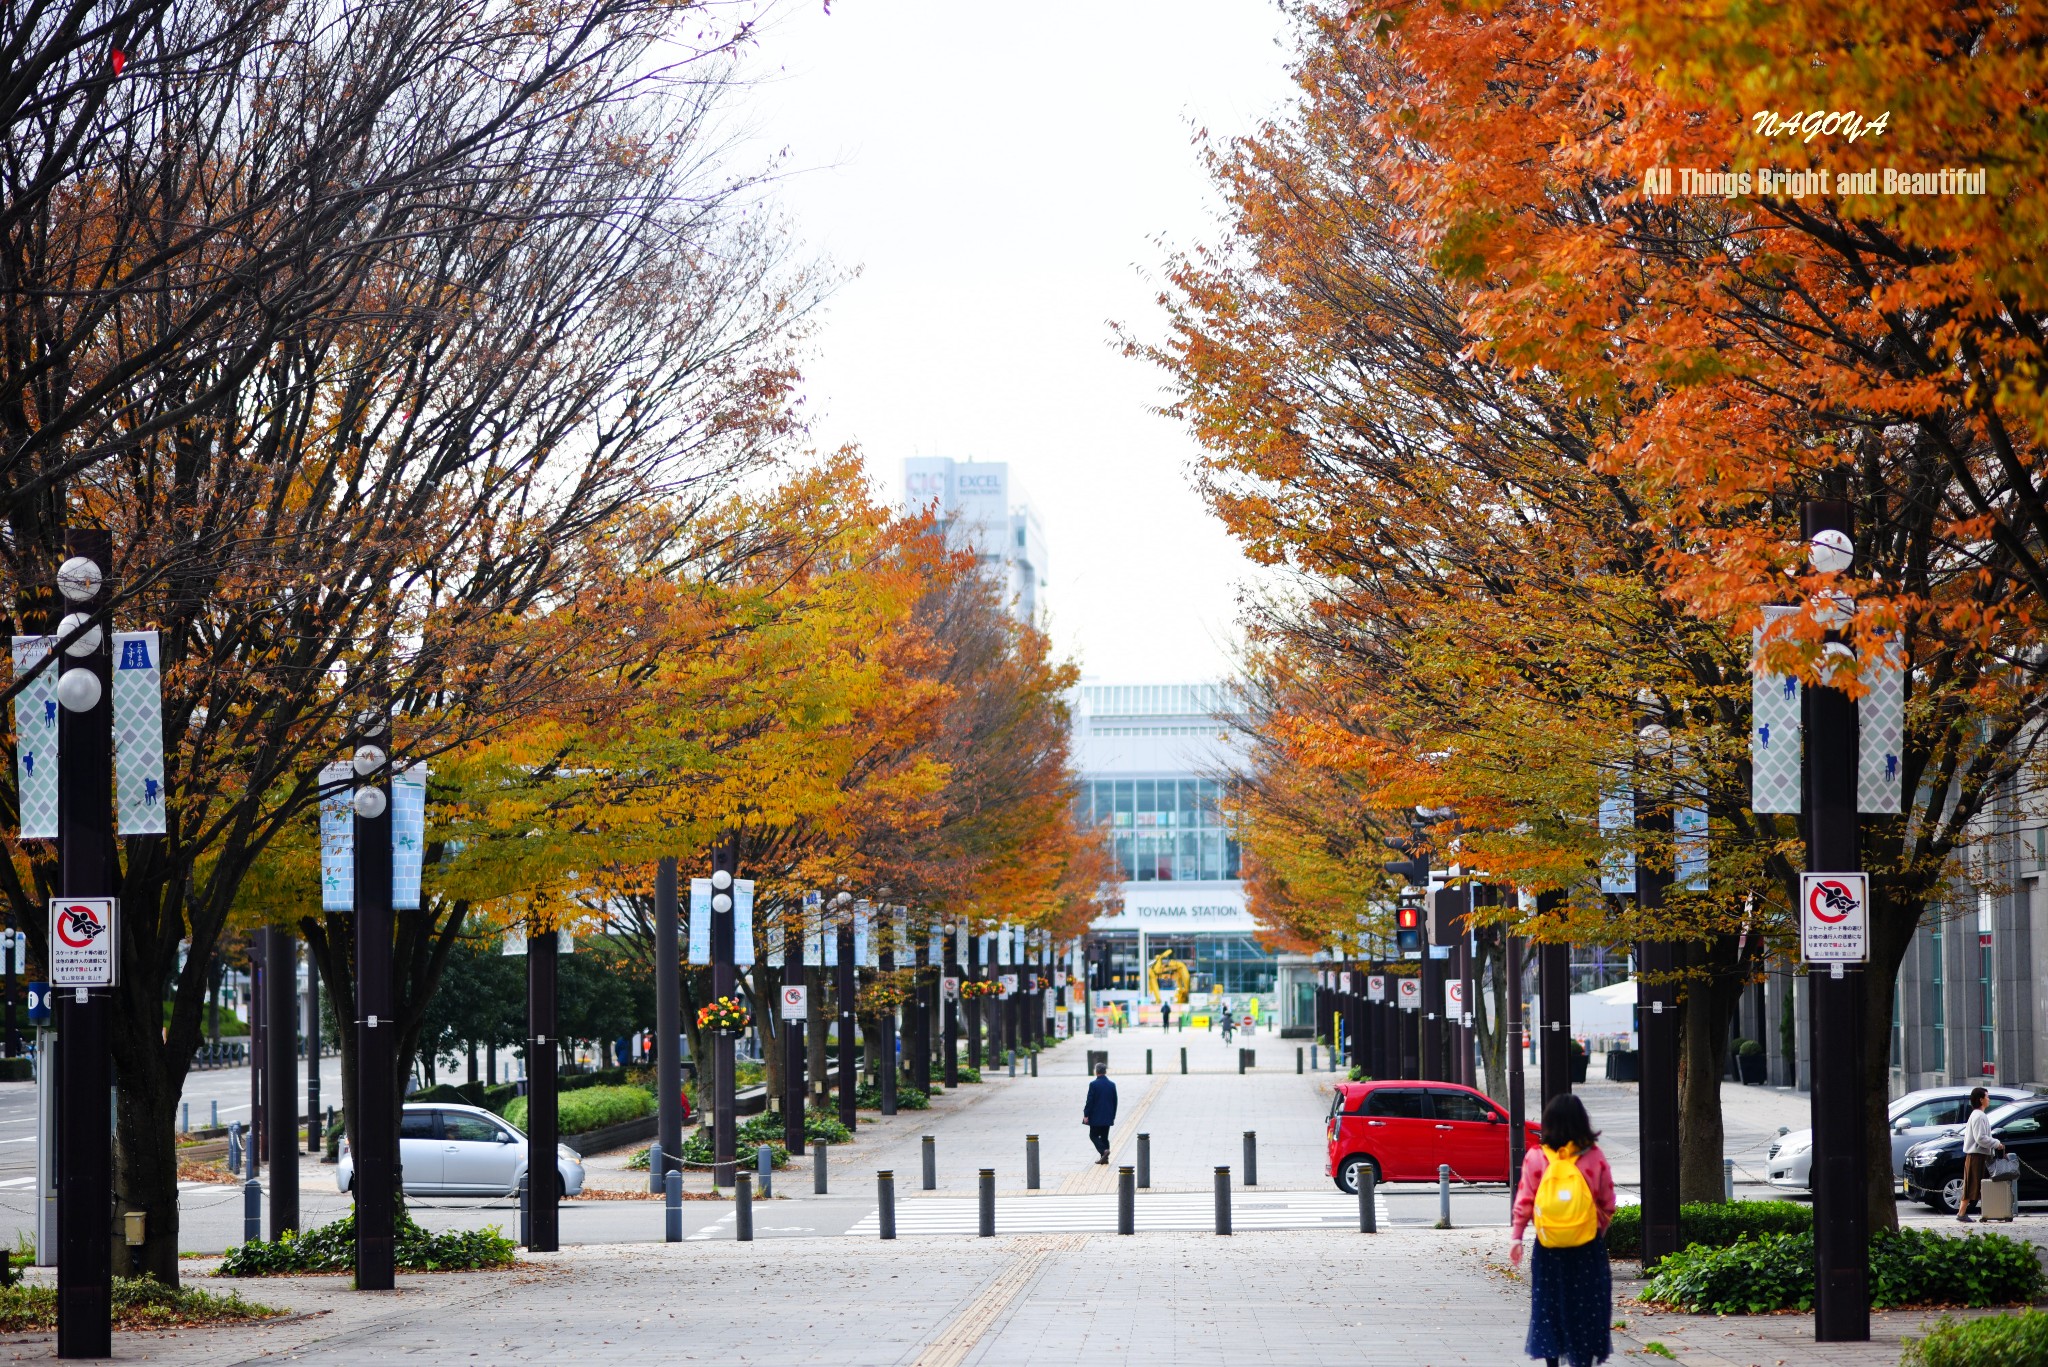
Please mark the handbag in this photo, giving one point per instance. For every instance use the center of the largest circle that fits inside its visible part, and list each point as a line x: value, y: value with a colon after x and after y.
x: 2005, y: 1165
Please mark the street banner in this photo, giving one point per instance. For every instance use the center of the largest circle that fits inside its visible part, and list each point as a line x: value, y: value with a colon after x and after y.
x: 1059, y: 1026
x: 337, y: 840
x: 408, y: 836
x: 794, y: 1003
x: 935, y: 945
x: 1003, y: 954
x: 35, y: 738
x: 960, y: 944
x: 863, y: 940
x: 138, y: 734
x: 899, y: 933
x: 1689, y: 847
x: 83, y: 941
x: 743, y: 923
x: 1410, y: 994
x: 700, y: 922
x: 1834, y: 923
x: 515, y: 942
x: 773, y: 937
x: 1774, y: 737
x: 814, y: 930
x: 1375, y: 987
x: 1618, y: 822
x: 1881, y: 732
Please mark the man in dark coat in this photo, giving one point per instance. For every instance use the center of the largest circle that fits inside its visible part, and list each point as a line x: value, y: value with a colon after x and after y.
x: 1100, y: 1112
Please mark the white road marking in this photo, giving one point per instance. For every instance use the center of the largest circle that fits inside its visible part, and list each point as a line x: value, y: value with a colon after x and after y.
x: 1195, y: 1210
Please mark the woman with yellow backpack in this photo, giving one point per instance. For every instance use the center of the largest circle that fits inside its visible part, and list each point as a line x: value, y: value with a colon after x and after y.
x: 1567, y: 1192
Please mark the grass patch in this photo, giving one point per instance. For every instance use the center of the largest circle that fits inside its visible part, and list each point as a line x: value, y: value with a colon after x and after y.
x: 332, y: 1248
x: 1994, y: 1341
x: 139, y: 1303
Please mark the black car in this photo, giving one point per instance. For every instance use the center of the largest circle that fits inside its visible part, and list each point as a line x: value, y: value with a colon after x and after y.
x: 1934, y: 1169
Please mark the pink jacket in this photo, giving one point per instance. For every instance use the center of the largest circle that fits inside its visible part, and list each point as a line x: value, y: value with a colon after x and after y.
x: 1592, y: 1165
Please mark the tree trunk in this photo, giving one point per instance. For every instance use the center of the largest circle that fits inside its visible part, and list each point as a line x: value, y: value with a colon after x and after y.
x: 1492, y: 975
x: 145, y: 1147
x: 1712, y: 992
x: 814, y: 1046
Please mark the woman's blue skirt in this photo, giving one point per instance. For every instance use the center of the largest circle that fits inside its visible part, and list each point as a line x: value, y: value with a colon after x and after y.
x: 1571, y: 1299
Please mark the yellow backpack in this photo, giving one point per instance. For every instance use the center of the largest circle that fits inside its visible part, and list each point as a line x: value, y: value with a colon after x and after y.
x: 1565, y: 1217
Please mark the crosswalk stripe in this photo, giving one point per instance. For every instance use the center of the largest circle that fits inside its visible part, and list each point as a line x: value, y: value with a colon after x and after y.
x: 1094, y: 1214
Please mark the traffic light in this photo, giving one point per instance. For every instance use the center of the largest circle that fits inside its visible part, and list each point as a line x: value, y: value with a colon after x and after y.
x: 1412, y: 871
x: 1408, y: 930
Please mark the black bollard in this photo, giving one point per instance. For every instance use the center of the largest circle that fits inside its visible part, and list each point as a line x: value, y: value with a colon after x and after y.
x: 743, y: 1206
x: 252, y: 1208
x: 1126, y: 1201
x: 818, y: 1167
x: 1144, y: 1160
x: 656, y: 1167
x: 1297, y: 1058
x: 885, y: 1202
x: 1183, y: 1058
x: 931, y: 1162
x: 1251, y: 1158
x: 1223, y: 1200
x: 1368, y: 1214
x: 764, y: 1163
x: 1031, y: 1162
x: 525, y: 1214
x: 988, y: 1203
x: 1148, y: 1062
x: 672, y: 1198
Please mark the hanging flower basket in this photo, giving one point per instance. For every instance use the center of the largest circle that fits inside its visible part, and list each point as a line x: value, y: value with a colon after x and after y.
x: 728, y: 1015
x: 978, y: 987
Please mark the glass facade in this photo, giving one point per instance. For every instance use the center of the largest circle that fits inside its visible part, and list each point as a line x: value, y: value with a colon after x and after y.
x: 1164, y: 829
x: 1233, y: 964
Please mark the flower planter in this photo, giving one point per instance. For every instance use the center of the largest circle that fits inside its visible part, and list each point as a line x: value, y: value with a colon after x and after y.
x: 1751, y: 1068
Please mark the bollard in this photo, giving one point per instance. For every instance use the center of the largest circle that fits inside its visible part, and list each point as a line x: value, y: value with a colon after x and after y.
x: 252, y: 1208
x: 1148, y: 1062
x: 988, y: 1203
x: 525, y: 1215
x: 655, y: 1167
x: 931, y: 1162
x: 1251, y: 1158
x: 764, y: 1163
x: 1240, y: 1063
x: 743, y: 1205
x: 1183, y: 1058
x: 184, y: 1117
x: 1727, y: 1179
x: 235, y: 1148
x: 885, y: 1202
x: 1144, y: 1160
x: 1034, y: 1065
x: 216, y: 1116
x: 1126, y: 1201
x: 1013, y: 1063
x: 1031, y: 1162
x: 1315, y: 1059
x: 672, y: 1198
x: 1297, y: 1058
x: 1223, y: 1200
x: 1368, y: 1185
x: 1443, y: 1196
x: 818, y: 1166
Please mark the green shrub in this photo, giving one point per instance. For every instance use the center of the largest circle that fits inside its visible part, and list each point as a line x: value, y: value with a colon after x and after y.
x: 697, y: 1152
x: 1994, y: 1341
x: 766, y: 1128
x: 592, y: 1108
x: 1907, y: 1267
x: 499, y: 1097
x: 445, y: 1093
x: 868, y: 1097
x: 1358, y: 1073
x: 139, y: 1303
x: 968, y: 1074
x: 597, y: 1077
x: 1748, y: 1048
x: 1716, y: 1224
x: 332, y: 1248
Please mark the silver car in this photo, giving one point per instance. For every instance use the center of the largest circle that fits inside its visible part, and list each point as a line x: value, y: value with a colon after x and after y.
x: 447, y: 1150
x: 1915, y: 1116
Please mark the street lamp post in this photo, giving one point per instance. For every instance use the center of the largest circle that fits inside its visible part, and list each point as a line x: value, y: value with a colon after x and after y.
x: 793, y: 1044
x: 724, y: 1126
x: 668, y: 1017
x: 848, y: 1115
x: 973, y: 974
x: 885, y: 925
x: 543, y: 1093
x: 373, y: 1135
x: 950, y: 1026
x: 1554, y: 1002
x: 281, y: 1015
x: 921, y: 1065
x: 1657, y: 1006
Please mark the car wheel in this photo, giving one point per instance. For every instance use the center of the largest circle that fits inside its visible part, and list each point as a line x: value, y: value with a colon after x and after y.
x: 1952, y: 1195
x: 1348, y: 1173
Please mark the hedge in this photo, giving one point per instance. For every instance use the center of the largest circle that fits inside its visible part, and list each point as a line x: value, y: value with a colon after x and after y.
x: 592, y: 1108
x: 868, y: 1097
x: 1994, y: 1341
x: 332, y: 1248
x: 1907, y: 1267
x: 697, y: 1152
x: 1715, y: 1224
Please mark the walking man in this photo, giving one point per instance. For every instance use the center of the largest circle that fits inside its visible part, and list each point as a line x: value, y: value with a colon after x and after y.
x: 1166, y: 1014
x: 1100, y: 1112
x: 1978, y: 1148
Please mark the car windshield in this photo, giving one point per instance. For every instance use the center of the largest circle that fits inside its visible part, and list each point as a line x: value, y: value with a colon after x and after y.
x: 2013, y: 1110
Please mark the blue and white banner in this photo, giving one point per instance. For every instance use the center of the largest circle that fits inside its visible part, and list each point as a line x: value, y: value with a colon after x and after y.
x: 899, y: 932
x: 700, y: 922
x: 1689, y: 837
x: 138, y: 734
x: 35, y: 738
x: 408, y: 836
x: 1618, y: 821
x: 1774, y: 734
x: 743, y: 923
x: 814, y: 930
x: 1881, y: 732
x: 337, y: 840
x: 863, y: 941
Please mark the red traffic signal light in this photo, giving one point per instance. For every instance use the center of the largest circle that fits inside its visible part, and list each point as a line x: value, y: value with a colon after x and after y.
x: 1408, y: 918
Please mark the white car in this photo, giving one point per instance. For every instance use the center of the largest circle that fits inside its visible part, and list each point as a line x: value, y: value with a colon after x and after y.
x: 449, y: 1150
x: 1915, y: 1116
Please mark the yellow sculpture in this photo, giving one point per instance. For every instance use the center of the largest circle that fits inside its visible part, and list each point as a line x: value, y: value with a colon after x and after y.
x: 1163, y: 966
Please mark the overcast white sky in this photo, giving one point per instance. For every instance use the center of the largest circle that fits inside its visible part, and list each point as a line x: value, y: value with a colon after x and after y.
x: 1004, y: 176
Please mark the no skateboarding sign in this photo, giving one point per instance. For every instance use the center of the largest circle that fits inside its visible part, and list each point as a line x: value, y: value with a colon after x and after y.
x: 1833, y: 918
x: 793, y: 999
x: 1411, y: 994
x: 1375, y: 987
x: 82, y: 952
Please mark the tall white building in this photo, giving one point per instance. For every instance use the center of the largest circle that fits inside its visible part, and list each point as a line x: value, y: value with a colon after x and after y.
x: 983, y: 511
x: 1155, y: 762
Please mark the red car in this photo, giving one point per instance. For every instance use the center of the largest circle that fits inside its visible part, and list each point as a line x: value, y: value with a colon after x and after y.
x: 1405, y: 1129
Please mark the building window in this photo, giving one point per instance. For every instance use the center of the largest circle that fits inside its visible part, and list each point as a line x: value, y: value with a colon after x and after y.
x: 1939, y: 1014
x: 1988, y: 999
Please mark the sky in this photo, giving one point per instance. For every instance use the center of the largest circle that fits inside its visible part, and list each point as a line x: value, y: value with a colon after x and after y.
x: 1008, y: 181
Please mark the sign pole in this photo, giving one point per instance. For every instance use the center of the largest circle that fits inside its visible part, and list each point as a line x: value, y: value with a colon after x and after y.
x: 1841, y: 1199
x: 724, y: 1134
x: 668, y: 1018
x: 373, y: 1134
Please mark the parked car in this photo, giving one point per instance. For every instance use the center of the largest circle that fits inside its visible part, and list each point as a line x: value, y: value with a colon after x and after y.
x: 1915, y: 1117
x: 1934, y: 1168
x: 1405, y: 1129
x: 464, y: 1151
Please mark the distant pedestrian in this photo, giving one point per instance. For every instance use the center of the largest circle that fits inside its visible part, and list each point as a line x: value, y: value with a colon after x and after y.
x: 1229, y: 1025
x: 1568, y: 1192
x: 1100, y: 1112
x: 1166, y: 1015
x: 1978, y: 1149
